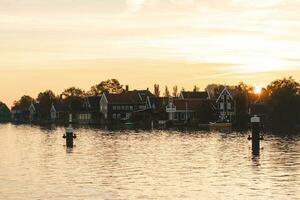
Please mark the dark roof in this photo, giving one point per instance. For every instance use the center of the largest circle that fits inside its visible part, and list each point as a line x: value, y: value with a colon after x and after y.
x: 189, y: 104
x: 61, y: 107
x: 194, y: 95
x: 94, y: 102
x: 129, y: 97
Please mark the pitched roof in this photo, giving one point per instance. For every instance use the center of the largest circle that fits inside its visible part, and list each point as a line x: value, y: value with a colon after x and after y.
x: 61, y: 107
x: 232, y: 92
x: 129, y: 97
x: 94, y: 102
x: 188, y: 104
x: 194, y: 95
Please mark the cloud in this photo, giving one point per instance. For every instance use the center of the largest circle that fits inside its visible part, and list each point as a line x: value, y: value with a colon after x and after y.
x: 135, y: 5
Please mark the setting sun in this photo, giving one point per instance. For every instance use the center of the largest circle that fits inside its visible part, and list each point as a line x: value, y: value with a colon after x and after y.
x: 257, y: 90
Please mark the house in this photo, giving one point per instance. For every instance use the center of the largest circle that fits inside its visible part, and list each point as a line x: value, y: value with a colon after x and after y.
x: 226, y: 104
x: 59, y: 112
x: 5, y: 114
x: 184, y: 110
x: 19, y: 115
x: 90, y: 112
x: 34, y: 112
x: 193, y: 95
x: 121, y: 106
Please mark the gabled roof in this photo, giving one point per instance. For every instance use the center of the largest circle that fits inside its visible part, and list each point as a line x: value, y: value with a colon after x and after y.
x: 232, y: 93
x: 35, y: 106
x: 194, y: 95
x: 60, y: 107
x: 129, y: 97
x: 188, y: 104
x: 94, y: 102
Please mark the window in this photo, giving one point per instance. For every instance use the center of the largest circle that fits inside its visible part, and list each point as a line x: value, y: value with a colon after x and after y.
x: 123, y: 108
x: 141, y: 107
x: 176, y: 116
x: 118, y: 107
x: 221, y: 105
x: 127, y: 107
x: 118, y: 116
x: 229, y: 106
x: 182, y: 117
x: 128, y: 115
x: 114, y: 107
x: 114, y: 116
x: 131, y: 107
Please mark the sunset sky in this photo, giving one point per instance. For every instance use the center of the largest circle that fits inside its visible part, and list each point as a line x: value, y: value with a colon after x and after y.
x: 54, y: 44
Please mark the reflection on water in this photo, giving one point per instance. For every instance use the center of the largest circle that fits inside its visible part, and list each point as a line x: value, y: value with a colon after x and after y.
x: 35, y: 164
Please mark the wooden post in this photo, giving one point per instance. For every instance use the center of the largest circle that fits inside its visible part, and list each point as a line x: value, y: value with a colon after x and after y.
x: 69, y: 134
x: 255, y: 121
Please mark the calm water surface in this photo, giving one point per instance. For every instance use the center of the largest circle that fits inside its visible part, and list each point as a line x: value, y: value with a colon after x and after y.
x: 35, y: 164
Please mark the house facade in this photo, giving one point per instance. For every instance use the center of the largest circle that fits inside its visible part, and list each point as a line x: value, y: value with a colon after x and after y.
x: 90, y: 112
x: 226, y: 104
x: 34, y: 112
x: 183, y: 110
x: 121, y: 106
x: 59, y: 112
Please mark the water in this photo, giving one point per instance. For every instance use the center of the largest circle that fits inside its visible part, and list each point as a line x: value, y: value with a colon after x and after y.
x: 35, y: 164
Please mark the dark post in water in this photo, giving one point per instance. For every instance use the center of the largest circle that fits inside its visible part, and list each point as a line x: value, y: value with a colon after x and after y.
x: 69, y: 134
x: 255, y: 121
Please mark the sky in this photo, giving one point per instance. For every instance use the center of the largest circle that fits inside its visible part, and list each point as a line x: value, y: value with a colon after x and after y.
x: 55, y: 44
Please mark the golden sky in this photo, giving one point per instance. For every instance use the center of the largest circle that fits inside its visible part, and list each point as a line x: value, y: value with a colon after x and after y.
x: 54, y: 44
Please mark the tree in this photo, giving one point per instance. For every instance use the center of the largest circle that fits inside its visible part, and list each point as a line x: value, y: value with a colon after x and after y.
x: 214, y: 90
x: 284, y: 103
x: 45, y: 100
x: 156, y: 90
x: 205, y: 113
x: 108, y: 86
x: 73, y: 92
x: 167, y: 92
x: 24, y: 102
x: 196, y: 89
x: 241, y: 106
x: 249, y: 91
x: 175, y: 91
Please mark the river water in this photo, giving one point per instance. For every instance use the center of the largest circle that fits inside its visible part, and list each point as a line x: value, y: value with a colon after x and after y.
x: 35, y: 164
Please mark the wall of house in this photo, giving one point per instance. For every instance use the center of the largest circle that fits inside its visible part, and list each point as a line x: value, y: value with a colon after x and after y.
x: 104, y: 107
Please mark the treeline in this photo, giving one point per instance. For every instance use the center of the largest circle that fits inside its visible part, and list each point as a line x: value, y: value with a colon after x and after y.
x: 281, y: 98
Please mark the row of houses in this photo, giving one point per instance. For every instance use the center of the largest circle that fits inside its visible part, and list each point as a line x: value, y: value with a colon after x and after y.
x: 138, y: 105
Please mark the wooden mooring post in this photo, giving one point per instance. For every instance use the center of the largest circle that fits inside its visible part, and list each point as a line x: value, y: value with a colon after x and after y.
x: 255, y: 122
x: 69, y: 136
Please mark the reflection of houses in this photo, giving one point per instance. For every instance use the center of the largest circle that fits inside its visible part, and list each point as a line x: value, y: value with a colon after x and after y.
x: 5, y: 115
x: 34, y: 112
x: 121, y: 106
x: 59, y: 112
x: 184, y: 110
x: 226, y: 104
x: 90, y: 112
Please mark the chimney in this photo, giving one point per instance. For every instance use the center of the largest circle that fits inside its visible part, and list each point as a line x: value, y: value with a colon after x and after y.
x: 126, y: 88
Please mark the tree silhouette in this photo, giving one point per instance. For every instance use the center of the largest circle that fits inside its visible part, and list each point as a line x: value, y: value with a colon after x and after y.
x: 175, y: 91
x: 167, y: 92
x: 108, y: 86
x: 156, y: 90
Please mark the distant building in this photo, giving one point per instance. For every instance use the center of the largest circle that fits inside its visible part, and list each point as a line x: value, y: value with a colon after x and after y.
x: 90, y: 112
x: 59, y: 112
x: 34, y: 112
x: 184, y: 110
x: 5, y: 114
x: 121, y: 106
x: 193, y: 95
x: 226, y: 104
